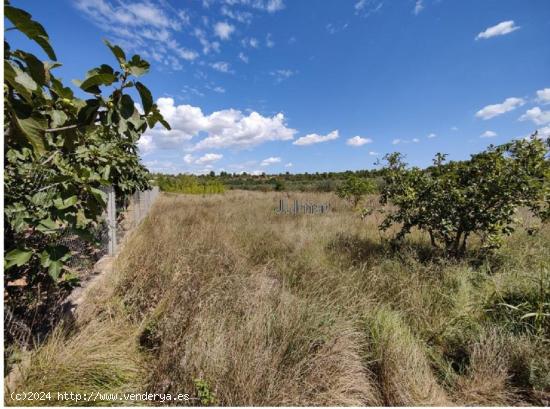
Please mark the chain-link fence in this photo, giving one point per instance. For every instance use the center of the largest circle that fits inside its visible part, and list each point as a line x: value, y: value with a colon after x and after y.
x: 24, y: 326
x: 123, y: 218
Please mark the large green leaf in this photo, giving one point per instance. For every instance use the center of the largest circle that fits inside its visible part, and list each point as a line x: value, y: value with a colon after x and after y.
x: 25, y: 80
x: 33, y: 128
x: 60, y: 89
x: 155, y: 117
x: 117, y: 51
x: 58, y: 118
x: 54, y: 269
x: 10, y: 74
x: 137, y: 66
x: 37, y: 68
x: 47, y: 226
x: 93, y: 81
x: 99, y: 194
x: 53, y: 258
x: 126, y: 106
x: 17, y: 257
x: 87, y: 113
x: 65, y: 203
x: 32, y: 29
x: 146, y: 97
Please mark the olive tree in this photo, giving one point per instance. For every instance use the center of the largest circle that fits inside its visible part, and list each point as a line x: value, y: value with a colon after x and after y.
x: 453, y: 200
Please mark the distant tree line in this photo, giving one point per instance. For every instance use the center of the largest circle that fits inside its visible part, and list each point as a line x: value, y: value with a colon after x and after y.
x: 189, y: 184
x: 283, y: 182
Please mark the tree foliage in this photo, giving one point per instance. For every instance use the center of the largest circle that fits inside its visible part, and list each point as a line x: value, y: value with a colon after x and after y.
x: 61, y: 150
x: 189, y: 184
x: 354, y: 188
x: 453, y: 200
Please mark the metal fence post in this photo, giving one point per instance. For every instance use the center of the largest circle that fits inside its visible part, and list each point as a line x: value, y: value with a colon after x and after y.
x: 111, y: 219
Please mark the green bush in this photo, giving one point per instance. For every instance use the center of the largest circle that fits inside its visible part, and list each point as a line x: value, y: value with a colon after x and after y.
x: 453, y: 200
x: 60, y: 151
x: 354, y: 188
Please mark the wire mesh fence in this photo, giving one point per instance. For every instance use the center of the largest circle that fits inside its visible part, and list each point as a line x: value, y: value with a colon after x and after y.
x: 122, y: 219
x: 23, y: 325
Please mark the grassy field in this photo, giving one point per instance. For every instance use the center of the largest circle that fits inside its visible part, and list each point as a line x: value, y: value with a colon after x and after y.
x: 224, y: 299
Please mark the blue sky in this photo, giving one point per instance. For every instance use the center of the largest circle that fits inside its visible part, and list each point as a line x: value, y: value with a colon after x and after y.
x: 309, y: 85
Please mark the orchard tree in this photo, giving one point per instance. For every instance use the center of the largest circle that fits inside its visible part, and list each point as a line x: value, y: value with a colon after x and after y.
x: 61, y: 151
x: 453, y: 200
x: 354, y: 188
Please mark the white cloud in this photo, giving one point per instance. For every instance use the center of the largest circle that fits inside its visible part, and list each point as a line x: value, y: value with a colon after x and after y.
x: 454, y: 128
x: 250, y: 42
x: 488, y: 134
x: 289, y: 165
x: 146, y: 144
x: 240, y: 16
x: 543, y: 133
x: 188, y: 90
x: 358, y: 141
x: 360, y: 5
x: 208, y: 158
x: 221, y: 66
x: 143, y: 27
x: 207, y: 45
x: 543, y: 96
x: 431, y: 136
x: 162, y: 166
x: 223, y: 30
x: 368, y: 7
x: 271, y: 6
x: 416, y: 140
x: 281, y: 75
x: 243, y: 57
x: 396, y: 141
x: 536, y: 115
x: 372, y: 153
x: 490, y: 111
x: 270, y: 161
x: 315, y: 138
x: 226, y: 128
x: 506, y: 27
x: 274, y: 5
x: 189, y: 158
x: 333, y: 29
x: 418, y: 7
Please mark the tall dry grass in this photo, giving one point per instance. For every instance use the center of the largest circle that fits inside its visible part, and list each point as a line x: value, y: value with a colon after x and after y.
x: 269, y: 309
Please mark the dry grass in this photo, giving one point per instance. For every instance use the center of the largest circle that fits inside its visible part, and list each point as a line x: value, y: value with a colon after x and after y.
x: 274, y: 309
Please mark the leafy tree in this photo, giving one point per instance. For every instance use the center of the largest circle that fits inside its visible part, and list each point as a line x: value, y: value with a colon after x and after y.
x: 453, y: 200
x: 61, y: 151
x: 278, y: 186
x: 354, y: 188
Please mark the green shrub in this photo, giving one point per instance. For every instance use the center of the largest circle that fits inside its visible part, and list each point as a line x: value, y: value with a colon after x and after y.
x: 354, y: 188
x: 453, y: 200
x: 61, y: 150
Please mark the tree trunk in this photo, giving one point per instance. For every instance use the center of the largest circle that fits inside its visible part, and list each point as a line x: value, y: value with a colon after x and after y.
x: 456, y: 243
x: 463, y: 246
x: 432, y: 239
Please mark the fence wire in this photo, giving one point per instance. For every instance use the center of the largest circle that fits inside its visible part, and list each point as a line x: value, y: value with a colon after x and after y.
x: 119, y: 218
